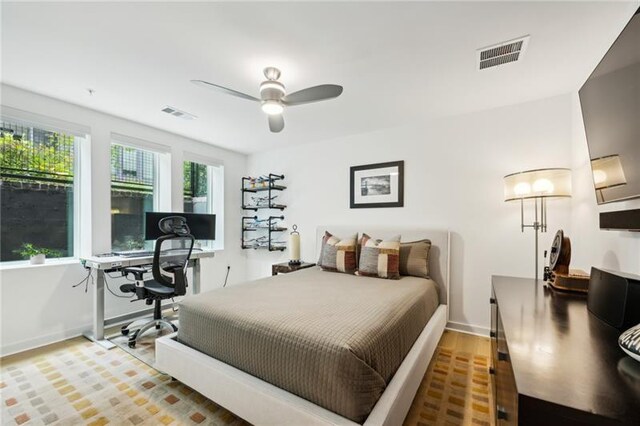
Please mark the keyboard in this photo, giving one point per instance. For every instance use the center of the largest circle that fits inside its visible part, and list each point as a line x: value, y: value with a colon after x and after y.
x: 128, y: 254
x: 134, y: 253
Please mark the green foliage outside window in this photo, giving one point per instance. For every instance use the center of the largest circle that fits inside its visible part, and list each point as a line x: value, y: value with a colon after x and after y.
x: 22, y: 159
x: 195, y: 179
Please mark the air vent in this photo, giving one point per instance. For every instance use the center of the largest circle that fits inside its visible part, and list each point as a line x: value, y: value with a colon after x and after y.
x: 502, y: 53
x: 178, y: 113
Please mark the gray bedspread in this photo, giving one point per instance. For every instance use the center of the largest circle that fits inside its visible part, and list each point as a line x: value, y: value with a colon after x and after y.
x: 331, y: 338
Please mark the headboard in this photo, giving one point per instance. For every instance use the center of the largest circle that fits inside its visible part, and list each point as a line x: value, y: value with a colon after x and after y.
x: 438, y: 256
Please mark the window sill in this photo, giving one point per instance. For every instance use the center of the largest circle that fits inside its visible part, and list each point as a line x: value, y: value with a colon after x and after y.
x: 24, y: 264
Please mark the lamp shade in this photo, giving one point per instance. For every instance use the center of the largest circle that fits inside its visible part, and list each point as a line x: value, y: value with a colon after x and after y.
x: 540, y: 183
x: 608, y: 172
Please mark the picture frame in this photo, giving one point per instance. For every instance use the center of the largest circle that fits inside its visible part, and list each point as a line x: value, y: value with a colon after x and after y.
x: 377, y: 185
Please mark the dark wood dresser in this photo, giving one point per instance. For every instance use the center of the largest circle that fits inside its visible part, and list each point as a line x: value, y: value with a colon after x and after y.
x: 556, y: 364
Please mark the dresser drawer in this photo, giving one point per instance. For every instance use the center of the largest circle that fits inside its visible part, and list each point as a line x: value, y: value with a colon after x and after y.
x: 505, y: 385
x: 505, y: 394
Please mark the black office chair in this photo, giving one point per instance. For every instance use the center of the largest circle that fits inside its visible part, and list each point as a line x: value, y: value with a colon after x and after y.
x: 169, y: 269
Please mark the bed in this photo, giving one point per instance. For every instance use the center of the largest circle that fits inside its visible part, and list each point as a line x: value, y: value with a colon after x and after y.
x: 314, y: 347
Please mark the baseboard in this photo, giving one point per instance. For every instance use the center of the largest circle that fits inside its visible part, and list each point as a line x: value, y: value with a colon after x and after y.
x: 468, y: 328
x: 37, y: 342
x: 49, y: 339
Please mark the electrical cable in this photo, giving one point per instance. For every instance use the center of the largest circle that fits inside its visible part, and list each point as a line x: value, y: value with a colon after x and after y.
x: 120, y: 276
x: 84, y: 280
x: 106, y: 282
x: 227, y: 277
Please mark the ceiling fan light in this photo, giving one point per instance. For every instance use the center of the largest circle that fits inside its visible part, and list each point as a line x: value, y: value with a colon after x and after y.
x: 272, y: 85
x: 272, y: 107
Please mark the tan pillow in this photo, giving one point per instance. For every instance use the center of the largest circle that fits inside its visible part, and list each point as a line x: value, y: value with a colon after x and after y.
x: 338, y: 254
x: 379, y: 258
x: 414, y: 258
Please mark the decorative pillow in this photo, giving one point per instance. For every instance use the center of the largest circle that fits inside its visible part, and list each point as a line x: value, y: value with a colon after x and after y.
x: 338, y: 255
x: 379, y: 258
x: 414, y: 258
x: 629, y: 341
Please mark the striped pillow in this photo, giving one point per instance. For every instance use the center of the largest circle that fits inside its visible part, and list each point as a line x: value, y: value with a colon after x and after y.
x: 414, y: 258
x: 379, y: 258
x: 338, y: 255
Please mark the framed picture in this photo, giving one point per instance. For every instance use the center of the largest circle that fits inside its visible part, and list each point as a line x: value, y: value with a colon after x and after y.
x: 377, y: 185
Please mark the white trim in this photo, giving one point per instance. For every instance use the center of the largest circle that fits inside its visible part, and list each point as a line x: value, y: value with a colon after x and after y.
x: 215, y: 193
x: 44, y: 340
x: 161, y: 181
x: 84, y: 176
x: 70, y: 333
x: 201, y: 159
x: 217, y: 202
x: 132, y: 142
x: 468, y: 328
x: 24, y: 264
x: 43, y: 122
x: 261, y: 403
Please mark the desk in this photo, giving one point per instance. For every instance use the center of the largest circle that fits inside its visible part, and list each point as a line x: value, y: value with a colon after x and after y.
x: 99, y: 265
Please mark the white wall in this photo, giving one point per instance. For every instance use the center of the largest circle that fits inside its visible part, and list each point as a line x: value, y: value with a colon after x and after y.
x: 38, y: 304
x: 453, y: 179
x: 590, y: 246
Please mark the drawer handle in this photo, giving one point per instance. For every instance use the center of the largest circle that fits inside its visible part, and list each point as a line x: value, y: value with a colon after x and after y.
x: 492, y: 370
x: 492, y: 300
x: 503, y: 356
x: 502, y: 413
x: 492, y: 334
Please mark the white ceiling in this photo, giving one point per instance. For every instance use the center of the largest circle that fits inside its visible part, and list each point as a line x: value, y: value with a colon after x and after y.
x: 398, y: 62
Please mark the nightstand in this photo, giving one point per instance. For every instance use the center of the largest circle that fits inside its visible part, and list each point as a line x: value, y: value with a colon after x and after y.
x: 286, y: 267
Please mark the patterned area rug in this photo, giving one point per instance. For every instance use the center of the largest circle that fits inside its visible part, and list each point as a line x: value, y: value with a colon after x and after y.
x: 79, y: 383
x: 455, y: 391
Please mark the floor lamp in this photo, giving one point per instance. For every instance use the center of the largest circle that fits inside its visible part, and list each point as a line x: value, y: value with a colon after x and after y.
x: 607, y: 173
x: 537, y: 185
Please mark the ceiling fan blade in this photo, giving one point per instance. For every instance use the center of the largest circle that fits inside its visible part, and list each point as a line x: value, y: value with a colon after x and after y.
x: 276, y: 123
x: 222, y: 89
x: 313, y: 94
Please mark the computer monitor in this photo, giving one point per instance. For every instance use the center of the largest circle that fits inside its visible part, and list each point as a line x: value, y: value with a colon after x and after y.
x: 202, y: 226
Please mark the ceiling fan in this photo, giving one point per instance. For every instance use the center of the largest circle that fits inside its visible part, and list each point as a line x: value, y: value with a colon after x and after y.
x: 273, y: 97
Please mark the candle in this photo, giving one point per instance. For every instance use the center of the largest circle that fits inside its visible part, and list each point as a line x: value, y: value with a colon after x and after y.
x: 294, y: 245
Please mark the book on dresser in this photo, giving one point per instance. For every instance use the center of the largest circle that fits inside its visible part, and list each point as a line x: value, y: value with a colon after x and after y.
x: 554, y: 363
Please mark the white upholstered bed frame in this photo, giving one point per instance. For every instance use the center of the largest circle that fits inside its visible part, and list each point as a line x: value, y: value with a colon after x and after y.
x: 261, y: 403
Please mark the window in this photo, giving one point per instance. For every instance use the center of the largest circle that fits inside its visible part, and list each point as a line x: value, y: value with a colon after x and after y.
x: 39, y: 191
x: 204, y: 193
x: 196, y: 188
x: 134, y: 189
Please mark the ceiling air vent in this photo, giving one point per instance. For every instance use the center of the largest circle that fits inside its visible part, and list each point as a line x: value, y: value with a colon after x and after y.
x: 502, y: 53
x: 178, y: 113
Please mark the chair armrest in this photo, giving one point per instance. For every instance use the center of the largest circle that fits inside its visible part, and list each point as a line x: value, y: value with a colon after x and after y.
x: 137, y: 271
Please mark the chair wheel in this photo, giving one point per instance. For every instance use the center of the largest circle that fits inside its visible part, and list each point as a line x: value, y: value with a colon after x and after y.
x: 132, y: 343
x: 124, y: 330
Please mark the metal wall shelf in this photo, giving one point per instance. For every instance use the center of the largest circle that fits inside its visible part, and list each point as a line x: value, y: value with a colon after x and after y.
x: 265, y: 188
x: 269, y: 224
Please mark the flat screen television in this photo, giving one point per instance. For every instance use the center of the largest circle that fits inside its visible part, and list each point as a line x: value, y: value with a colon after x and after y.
x: 610, y: 101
